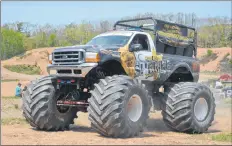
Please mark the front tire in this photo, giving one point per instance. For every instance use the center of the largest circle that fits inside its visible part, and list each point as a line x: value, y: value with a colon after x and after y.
x: 188, y: 107
x: 26, y: 98
x: 39, y: 106
x: 108, y: 109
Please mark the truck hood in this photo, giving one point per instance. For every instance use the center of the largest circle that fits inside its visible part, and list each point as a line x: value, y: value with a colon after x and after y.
x: 87, y: 48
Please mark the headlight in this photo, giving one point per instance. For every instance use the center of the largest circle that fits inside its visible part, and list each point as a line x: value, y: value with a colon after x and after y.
x: 92, y: 57
x: 50, y: 58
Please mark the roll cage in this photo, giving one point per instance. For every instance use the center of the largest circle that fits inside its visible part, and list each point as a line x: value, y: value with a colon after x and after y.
x: 157, y: 25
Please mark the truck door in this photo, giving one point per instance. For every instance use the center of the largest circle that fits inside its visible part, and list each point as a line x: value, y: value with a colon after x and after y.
x: 141, y: 66
x: 147, y: 62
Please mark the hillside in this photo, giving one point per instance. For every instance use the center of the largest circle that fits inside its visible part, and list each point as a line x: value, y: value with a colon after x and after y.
x: 39, y: 57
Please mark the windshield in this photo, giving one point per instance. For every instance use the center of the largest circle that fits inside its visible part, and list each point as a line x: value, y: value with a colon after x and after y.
x: 117, y: 40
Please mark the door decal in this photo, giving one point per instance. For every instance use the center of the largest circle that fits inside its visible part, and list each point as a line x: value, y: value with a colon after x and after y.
x: 149, y: 66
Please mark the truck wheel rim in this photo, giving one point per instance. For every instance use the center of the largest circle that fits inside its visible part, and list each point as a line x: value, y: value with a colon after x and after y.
x: 201, y: 109
x: 134, y: 108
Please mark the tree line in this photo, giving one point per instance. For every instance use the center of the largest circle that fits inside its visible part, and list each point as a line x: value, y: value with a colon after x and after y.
x: 19, y: 37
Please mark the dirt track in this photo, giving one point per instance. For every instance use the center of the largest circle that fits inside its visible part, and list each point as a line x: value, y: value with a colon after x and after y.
x: 81, y: 133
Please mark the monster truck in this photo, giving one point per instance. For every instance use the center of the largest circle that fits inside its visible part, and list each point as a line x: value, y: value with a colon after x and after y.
x: 118, y: 76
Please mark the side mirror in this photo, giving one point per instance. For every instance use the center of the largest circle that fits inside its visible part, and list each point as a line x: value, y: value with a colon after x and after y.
x: 135, y: 47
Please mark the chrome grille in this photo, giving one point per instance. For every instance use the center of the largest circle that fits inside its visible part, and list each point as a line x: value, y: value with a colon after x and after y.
x: 68, y: 57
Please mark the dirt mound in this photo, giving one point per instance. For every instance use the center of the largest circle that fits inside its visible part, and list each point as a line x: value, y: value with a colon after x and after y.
x: 38, y: 57
x: 6, y: 75
x: 206, y: 59
x: 214, y: 63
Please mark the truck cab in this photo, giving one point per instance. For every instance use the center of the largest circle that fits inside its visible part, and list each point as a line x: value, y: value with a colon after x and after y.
x: 168, y: 56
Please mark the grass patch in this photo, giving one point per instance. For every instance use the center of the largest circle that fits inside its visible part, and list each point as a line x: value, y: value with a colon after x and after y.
x: 209, y: 53
x: 13, y: 107
x: 13, y: 121
x: 210, y: 72
x: 10, y: 97
x: 25, y: 69
x: 10, y: 80
x: 16, y: 106
x: 226, y: 137
x: 227, y: 84
x: 230, y: 61
x: 228, y: 100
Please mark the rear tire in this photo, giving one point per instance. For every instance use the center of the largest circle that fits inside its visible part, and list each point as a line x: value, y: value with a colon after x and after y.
x: 108, y: 107
x: 39, y: 106
x: 188, y: 107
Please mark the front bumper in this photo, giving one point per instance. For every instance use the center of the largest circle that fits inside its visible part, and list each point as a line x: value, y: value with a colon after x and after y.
x: 82, y: 69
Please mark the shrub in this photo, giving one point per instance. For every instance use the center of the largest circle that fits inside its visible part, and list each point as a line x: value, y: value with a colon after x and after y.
x: 230, y: 61
x: 209, y: 52
x: 11, y: 43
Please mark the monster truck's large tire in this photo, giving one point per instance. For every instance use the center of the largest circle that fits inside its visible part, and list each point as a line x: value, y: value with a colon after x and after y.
x: 26, y: 98
x: 40, y: 109
x: 188, y: 107
x: 109, y: 105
